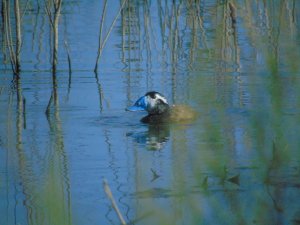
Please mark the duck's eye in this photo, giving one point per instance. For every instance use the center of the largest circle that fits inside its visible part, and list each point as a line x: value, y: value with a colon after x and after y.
x: 160, y: 101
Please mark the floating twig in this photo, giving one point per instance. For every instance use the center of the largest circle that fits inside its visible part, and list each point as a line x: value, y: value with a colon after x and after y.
x: 113, y: 202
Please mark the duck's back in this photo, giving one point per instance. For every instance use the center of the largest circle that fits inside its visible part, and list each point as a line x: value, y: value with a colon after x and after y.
x: 176, y: 114
x: 182, y: 113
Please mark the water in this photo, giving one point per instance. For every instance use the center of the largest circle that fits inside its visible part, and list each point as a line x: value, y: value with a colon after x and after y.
x: 238, y: 163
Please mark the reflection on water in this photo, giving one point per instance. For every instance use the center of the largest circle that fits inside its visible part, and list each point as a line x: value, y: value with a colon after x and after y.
x: 154, y: 138
x: 61, y: 134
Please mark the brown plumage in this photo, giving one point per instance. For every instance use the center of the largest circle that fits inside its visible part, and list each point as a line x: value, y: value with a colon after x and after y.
x: 182, y: 113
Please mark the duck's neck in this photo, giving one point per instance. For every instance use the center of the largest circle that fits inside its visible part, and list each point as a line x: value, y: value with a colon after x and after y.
x: 157, y: 118
x: 159, y: 109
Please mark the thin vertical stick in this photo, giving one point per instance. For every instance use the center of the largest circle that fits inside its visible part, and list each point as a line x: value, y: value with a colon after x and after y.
x: 57, y: 8
x: 101, y: 45
x: 18, y: 34
x: 113, y: 202
x: 25, y: 9
x: 6, y: 9
x: 113, y: 24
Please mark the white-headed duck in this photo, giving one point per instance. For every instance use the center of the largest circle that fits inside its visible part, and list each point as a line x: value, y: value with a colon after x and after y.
x: 159, y: 111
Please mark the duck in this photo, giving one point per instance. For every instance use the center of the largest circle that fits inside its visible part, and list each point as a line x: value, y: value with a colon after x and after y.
x: 159, y: 110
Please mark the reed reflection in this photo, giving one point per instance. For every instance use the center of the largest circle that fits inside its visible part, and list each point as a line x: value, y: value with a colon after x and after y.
x: 58, y: 200
x: 40, y: 174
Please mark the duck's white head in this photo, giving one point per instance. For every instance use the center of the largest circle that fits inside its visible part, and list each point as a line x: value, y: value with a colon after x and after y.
x: 153, y: 102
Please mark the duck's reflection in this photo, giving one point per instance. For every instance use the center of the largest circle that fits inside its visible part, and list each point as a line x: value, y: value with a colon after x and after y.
x: 154, y: 138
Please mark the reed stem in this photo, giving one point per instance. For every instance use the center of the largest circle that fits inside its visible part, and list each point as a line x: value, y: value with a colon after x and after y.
x: 18, y: 36
x: 102, y: 43
x: 57, y: 9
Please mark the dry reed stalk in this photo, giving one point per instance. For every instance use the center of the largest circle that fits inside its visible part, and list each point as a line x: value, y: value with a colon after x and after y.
x: 100, y: 35
x: 18, y: 35
x: 8, y: 36
x: 54, y: 25
x: 25, y: 9
x: 57, y: 9
x: 14, y: 54
x: 101, y: 45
